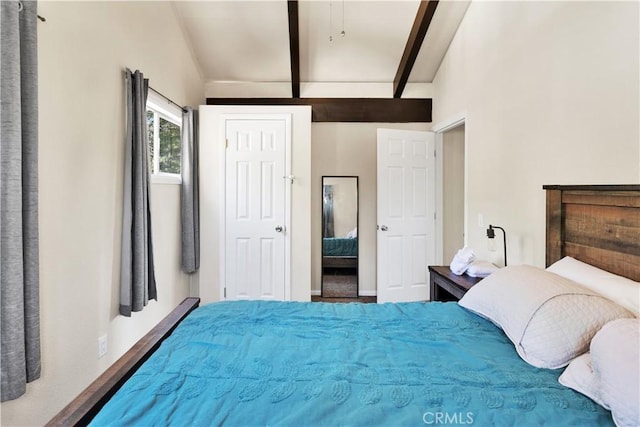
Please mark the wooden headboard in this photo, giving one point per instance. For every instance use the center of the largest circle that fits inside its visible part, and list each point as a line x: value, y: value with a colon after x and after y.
x: 596, y: 224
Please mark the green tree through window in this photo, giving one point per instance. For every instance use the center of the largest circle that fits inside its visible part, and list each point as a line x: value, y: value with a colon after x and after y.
x: 150, y: 129
x: 169, y: 146
x: 164, y: 142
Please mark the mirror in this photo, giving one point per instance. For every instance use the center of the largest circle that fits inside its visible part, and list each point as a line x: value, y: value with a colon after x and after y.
x: 339, y: 236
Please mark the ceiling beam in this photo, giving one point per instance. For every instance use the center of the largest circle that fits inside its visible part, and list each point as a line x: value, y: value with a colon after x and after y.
x: 294, y: 48
x: 419, y: 30
x: 363, y: 110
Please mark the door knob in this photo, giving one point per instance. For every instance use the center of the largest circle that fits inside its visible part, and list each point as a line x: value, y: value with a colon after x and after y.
x: 384, y: 228
x: 279, y: 228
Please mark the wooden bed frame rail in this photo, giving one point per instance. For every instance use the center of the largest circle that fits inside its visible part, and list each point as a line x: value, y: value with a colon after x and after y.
x: 597, y: 224
x: 88, y: 403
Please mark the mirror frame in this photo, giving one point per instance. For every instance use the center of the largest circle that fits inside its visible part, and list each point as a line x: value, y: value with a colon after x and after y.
x: 357, y: 263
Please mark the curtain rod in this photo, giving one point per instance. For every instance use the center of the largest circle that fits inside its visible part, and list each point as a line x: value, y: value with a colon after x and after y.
x: 184, y: 110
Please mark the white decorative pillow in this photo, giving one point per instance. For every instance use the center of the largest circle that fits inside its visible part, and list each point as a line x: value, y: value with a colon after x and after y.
x: 481, y: 268
x: 615, y: 358
x: 580, y: 377
x: 618, y: 289
x: 549, y: 319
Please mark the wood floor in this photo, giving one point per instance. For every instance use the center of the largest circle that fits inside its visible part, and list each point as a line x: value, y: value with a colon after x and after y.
x: 341, y: 285
x: 358, y: 299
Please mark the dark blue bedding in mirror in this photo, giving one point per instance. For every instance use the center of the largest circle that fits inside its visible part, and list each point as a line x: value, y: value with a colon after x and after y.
x: 339, y: 246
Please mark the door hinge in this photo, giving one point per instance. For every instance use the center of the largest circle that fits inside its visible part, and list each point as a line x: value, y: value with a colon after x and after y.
x: 225, y: 293
x: 226, y: 143
x: 435, y: 154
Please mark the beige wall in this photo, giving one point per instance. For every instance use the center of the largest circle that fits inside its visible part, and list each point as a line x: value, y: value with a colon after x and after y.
x: 348, y: 149
x: 83, y: 49
x: 212, y: 191
x: 550, y: 92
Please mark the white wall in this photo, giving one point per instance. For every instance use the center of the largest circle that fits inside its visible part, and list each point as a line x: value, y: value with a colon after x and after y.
x: 348, y: 149
x: 83, y: 49
x: 212, y: 192
x: 550, y: 91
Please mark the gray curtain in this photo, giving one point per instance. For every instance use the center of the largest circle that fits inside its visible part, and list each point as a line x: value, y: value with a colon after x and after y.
x: 20, y: 304
x: 327, y: 211
x: 190, y: 199
x: 137, y: 277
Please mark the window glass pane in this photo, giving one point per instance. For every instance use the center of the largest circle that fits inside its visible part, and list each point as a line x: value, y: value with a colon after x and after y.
x: 150, y: 134
x: 169, y: 134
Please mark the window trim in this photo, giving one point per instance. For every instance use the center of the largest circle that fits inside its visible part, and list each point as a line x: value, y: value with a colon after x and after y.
x: 161, y: 108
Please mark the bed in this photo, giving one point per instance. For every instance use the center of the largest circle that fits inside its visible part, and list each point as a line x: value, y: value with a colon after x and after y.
x: 259, y: 363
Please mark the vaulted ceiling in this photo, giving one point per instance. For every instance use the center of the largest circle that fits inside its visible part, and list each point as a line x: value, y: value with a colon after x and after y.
x: 250, y: 41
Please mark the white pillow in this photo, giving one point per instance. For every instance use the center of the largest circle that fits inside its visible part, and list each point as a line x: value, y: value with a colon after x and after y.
x: 580, y: 377
x: 549, y: 319
x: 618, y: 289
x: 481, y: 268
x: 615, y: 357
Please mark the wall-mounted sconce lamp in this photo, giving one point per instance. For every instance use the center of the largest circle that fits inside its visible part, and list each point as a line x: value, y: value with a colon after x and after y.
x: 492, y: 234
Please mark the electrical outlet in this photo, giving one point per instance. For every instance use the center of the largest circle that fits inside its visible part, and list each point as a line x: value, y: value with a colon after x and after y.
x: 102, y: 346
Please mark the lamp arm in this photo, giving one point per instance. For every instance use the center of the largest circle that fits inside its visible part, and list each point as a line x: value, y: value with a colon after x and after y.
x: 504, y: 242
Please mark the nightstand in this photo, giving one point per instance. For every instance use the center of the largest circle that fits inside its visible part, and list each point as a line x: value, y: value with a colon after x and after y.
x: 446, y: 286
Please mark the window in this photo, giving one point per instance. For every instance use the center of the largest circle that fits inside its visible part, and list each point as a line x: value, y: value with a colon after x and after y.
x: 164, y: 121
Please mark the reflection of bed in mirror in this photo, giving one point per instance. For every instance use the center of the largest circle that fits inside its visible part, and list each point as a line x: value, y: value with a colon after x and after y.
x: 339, y: 236
x: 340, y: 252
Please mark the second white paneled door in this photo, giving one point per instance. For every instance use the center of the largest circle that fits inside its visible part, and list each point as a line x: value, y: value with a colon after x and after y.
x: 256, y: 200
x: 406, y: 214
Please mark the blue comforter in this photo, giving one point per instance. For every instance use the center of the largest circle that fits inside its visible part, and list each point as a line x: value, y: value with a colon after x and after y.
x: 254, y: 363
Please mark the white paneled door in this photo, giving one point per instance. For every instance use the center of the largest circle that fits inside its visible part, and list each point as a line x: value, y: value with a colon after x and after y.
x: 256, y: 209
x: 406, y: 214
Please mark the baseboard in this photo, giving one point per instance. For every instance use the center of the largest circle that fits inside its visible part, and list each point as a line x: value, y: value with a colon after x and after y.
x: 316, y: 292
x: 367, y: 293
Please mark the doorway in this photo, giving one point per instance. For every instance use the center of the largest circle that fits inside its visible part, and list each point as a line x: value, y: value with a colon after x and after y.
x: 453, y: 187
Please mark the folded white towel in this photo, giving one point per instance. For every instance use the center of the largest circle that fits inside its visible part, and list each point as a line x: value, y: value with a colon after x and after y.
x: 481, y: 268
x: 462, y: 260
